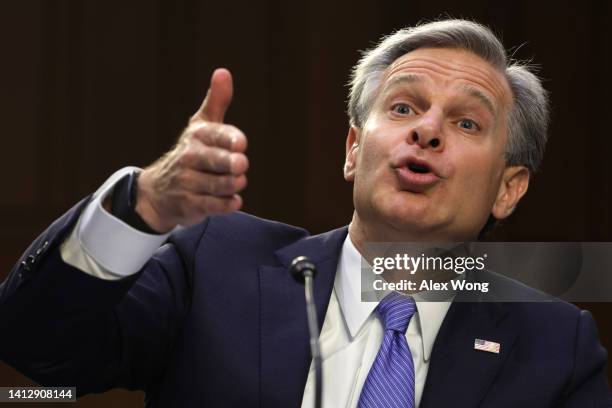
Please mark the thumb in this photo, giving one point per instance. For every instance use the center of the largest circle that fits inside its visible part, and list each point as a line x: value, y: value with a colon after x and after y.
x: 218, y: 97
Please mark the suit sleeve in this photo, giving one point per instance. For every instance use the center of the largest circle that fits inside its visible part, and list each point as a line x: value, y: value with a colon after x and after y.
x: 588, y: 386
x: 63, y: 327
x: 104, y: 246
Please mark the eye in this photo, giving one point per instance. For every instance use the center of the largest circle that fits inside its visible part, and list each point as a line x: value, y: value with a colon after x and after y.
x: 401, y: 108
x: 468, y: 124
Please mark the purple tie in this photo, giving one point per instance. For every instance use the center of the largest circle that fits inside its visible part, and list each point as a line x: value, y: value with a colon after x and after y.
x: 390, y: 382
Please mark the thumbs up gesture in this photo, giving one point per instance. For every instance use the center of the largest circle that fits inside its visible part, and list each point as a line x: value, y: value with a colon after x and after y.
x: 203, y: 174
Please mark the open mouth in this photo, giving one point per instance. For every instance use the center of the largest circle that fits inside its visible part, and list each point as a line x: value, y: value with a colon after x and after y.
x: 419, y: 168
x: 416, y: 175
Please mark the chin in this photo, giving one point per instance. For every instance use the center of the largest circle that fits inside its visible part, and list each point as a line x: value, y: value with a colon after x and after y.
x: 414, y: 215
x: 407, y: 204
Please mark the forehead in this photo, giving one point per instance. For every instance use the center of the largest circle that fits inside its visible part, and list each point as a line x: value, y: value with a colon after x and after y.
x: 452, y: 68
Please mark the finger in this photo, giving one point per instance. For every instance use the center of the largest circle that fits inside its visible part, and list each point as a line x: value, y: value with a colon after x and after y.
x: 220, y: 135
x: 218, y: 97
x: 214, y: 159
x: 212, y: 184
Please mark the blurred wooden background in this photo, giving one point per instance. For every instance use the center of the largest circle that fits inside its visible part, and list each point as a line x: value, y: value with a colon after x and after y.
x: 90, y: 86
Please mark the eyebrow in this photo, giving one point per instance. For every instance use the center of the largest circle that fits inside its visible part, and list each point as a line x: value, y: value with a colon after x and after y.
x: 478, y: 94
x: 405, y: 79
x: 402, y: 79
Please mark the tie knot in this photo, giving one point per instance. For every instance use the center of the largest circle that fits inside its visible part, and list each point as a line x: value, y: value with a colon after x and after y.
x: 396, y: 310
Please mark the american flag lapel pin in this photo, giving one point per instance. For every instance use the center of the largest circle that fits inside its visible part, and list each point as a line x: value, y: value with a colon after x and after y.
x: 486, y: 345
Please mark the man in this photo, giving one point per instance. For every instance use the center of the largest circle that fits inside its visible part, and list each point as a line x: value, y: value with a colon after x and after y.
x: 444, y: 134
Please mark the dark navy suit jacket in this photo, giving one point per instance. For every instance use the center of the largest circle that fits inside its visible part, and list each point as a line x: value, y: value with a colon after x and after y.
x: 215, y: 320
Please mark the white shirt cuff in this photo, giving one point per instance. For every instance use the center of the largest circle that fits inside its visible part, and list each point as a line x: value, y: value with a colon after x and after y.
x: 111, y: 243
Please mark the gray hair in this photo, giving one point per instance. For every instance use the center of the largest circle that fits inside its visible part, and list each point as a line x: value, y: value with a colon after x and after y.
x: 529, y: 116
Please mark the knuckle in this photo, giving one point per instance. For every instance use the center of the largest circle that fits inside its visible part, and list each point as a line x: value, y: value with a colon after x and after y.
x: 189, y: 155
x: 219, y: 136
x: 233, y: 131
x: 207, y: 154
x: 203, y: 132
x: 231, y: 184
x: 222, y: 160
x: 227, y: 184
x: 236, y: 138
x: 215, y: 187
x: 239, y: 163
x: 185, y: 159
x: 214, y: 133
x: 184, y: 180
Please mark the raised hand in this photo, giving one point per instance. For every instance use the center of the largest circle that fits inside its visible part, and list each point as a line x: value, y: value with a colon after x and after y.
x: 203, y: 174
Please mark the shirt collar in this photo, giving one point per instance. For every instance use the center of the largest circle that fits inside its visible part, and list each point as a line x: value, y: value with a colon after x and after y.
x: 348, y: 290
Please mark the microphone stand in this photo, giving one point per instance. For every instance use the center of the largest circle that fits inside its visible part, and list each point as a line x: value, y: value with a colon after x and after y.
x: 304, y: 271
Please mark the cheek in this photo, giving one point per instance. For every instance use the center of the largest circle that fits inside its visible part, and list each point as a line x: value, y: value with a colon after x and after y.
x: 374, y: 152
x: 370, y: 157
x: 478, y: 177
x: 374, y: 180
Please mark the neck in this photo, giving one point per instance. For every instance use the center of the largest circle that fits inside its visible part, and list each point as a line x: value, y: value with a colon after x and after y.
x: 361, y: 232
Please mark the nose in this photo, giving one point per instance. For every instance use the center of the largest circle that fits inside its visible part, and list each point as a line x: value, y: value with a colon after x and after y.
x: 427, y: 132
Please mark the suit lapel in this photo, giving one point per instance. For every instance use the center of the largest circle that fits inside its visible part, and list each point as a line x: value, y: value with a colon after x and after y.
x: 285, y: 350
x: 458, y: 372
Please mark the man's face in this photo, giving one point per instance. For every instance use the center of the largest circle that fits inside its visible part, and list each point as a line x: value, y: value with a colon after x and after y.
x: 429, y: 161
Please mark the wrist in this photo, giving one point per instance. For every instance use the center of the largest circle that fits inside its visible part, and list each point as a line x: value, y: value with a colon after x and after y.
x: 122, y: 204
x: 148, y: 213
x: 147, y: 210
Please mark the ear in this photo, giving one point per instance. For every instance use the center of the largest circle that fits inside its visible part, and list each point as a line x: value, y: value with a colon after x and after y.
x: 513, y: 187
x: 352, y: 146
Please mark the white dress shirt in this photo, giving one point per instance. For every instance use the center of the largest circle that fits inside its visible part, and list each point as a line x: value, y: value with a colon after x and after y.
x: 106, y: 247
x: 352, y: 334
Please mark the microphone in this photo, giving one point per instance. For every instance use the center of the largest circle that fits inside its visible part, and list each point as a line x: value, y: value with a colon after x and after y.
x: 304, y: 271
